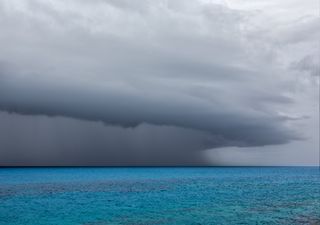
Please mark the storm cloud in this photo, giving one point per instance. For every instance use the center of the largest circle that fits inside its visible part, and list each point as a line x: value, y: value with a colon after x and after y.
x: 148, y: 82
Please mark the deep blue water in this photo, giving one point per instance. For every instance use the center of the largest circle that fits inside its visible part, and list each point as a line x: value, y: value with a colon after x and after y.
x: 192, y: 195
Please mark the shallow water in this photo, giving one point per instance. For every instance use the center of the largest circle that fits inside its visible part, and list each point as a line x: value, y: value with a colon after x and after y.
x: 192, y: 195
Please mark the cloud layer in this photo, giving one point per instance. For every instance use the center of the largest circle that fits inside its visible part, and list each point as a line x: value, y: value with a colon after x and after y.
x: 196, y: 67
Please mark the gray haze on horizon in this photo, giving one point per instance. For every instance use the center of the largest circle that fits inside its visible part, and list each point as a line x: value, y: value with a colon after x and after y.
x: 159, y: 82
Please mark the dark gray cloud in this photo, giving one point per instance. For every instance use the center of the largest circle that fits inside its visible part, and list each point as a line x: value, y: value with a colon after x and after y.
x: 166, y: 78
x: 130, y: 108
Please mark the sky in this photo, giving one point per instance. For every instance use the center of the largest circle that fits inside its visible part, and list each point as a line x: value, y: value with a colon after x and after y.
x: 159, y: 82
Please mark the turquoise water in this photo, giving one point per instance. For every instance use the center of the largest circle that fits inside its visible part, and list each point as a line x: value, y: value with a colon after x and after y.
x: 192, y: 195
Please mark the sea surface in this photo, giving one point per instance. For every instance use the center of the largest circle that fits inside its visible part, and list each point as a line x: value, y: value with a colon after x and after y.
x: 160, y: 195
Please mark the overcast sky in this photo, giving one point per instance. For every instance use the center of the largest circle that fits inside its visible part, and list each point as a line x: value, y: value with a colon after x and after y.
x: 159, y: 82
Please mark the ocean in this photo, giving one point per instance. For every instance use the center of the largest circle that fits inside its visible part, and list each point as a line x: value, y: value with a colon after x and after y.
x: 159, y: 195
